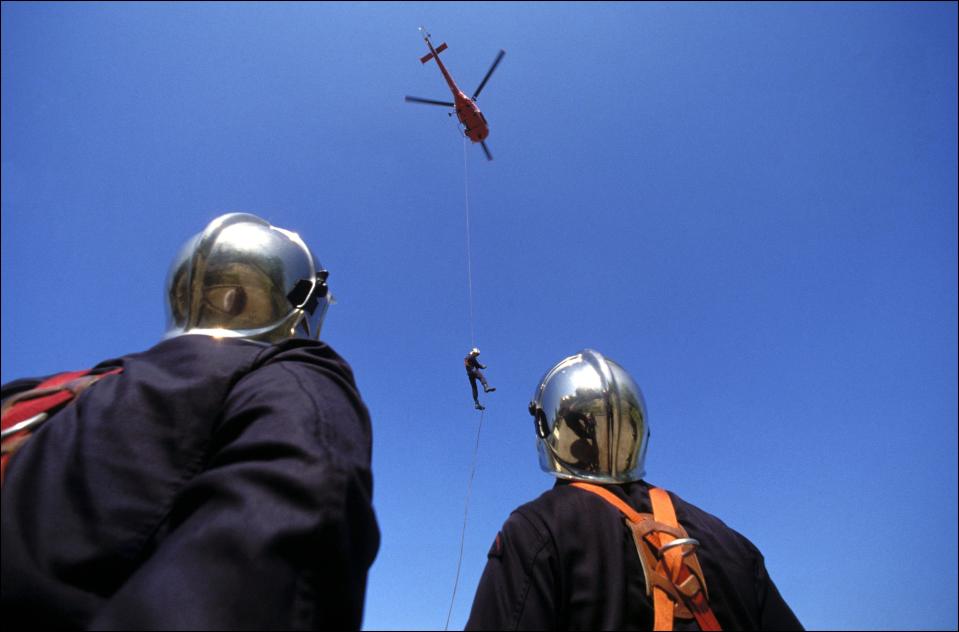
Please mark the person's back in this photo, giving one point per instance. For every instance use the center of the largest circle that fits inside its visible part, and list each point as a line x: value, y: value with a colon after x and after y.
x: 568, y: 560
x: 216, y: 482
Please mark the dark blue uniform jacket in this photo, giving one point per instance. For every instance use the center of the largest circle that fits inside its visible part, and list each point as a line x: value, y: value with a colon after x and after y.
x: 214, y: 484
x: 567, y: 561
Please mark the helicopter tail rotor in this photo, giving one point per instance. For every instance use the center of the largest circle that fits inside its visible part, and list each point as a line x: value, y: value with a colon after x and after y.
x: 439, y: 49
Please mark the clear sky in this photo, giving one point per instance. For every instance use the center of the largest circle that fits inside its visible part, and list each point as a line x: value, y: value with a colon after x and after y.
x: 751, y: 207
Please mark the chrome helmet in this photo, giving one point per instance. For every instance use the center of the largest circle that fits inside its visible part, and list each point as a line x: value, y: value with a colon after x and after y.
x: 244, y: 278
x: 590, y: 419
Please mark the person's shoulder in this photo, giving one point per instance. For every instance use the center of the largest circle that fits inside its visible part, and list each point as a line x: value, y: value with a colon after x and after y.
x: 312, y: 373
x: 697, y: 513
x: 310, y: 387
x: 198, y: 350
x: 563, y: 507
x: 547, y: 502
x: 531, y: 524
x: 703, y: 522
x: 214, y: 354
x: 186, y: 359
x: 314, y: 352
x: 305, y: 365
x: 312, y: 362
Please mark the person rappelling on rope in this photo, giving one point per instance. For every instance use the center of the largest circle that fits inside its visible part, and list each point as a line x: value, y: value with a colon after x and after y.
x: 473, y: 367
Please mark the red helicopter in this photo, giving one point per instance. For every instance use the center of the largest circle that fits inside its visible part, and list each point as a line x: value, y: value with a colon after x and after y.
x: 466, y: 109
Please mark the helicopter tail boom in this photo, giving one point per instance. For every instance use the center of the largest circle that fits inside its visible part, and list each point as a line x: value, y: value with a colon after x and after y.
x: 430, y: 55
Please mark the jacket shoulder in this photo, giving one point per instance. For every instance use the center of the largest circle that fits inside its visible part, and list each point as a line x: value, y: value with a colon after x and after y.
x: 704, y: 522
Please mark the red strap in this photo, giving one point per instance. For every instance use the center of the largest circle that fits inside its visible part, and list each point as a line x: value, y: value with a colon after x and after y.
x: 49, y: 395
x: 27, y: 408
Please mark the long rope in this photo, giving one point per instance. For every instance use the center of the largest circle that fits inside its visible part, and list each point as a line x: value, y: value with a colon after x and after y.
x: 469, y: 489
x: 469, y: 250
x: 469, y: 277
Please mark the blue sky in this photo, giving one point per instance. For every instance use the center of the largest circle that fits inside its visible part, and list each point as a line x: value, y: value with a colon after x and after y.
x: 751, y: 207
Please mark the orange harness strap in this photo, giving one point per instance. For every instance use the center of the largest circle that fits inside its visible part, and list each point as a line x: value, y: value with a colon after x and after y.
x: 673, y: 575
x: 631, y: 514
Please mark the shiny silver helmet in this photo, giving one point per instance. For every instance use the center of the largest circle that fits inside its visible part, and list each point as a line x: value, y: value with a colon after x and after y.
x: 244, y: 278
x: 590, y: 419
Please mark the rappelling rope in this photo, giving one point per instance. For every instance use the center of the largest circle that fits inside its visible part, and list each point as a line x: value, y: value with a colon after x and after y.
x: 469, y: 277
x: 469, y: 489
x: 469, y: 252
x: 469, y: 249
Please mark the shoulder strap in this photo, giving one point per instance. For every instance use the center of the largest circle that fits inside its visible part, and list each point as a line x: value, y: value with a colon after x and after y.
x: 671, y: 570
x: 22, y: 413
x: 631, y: 514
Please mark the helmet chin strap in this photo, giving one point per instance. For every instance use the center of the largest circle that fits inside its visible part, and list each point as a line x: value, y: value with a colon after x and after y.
x: 304, y: 324
x: 306, y: 295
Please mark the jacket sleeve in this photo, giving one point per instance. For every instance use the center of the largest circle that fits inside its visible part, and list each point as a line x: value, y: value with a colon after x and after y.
x: 275, y: 530
x: 775, y: 613
x: 517, y: 588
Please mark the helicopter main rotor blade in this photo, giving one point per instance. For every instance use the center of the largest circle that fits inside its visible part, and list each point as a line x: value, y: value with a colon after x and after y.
x: 489, y: 156
x: 499, y: 57
x: 429, y: 101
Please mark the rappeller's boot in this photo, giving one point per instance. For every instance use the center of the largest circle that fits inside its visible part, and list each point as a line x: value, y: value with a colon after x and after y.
x: 479, y: 406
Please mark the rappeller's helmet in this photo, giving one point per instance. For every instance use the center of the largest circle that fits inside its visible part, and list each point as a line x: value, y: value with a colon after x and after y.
x: 474, y: 352
x: 590, y: 419
x: 244, y: 278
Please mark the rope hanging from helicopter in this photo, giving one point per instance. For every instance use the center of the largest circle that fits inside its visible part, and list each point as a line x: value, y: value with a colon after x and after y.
x: 476, y: 130
x: 469, y: 249
x: 479, y: 428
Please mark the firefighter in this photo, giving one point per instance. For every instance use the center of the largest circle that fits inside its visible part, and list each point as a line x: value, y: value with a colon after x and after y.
x: 474, y: 373
x: 220, y: 480
x: 604, y: 549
